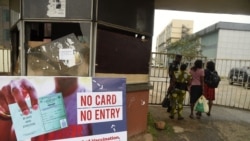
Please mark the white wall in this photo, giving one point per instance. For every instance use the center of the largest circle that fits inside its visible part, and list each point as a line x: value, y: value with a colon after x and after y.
x: 233, y: 44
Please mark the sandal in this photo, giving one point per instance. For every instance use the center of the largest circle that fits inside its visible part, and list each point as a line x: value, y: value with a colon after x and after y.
x: 198, y: 114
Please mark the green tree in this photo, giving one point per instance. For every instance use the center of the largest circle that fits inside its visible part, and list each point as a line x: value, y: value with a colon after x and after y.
x: 188, y: 46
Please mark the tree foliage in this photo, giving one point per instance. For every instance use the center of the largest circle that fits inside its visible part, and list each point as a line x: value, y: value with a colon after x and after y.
x: 188, y: 46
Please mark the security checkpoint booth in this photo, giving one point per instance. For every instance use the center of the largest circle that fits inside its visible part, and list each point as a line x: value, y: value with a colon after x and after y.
x: 87, y: 38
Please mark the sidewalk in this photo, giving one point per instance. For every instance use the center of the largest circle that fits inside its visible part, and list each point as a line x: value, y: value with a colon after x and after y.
x: 224, y: 124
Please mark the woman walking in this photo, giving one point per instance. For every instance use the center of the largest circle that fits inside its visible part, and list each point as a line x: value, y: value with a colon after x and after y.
x: 197, y: 85
x: 209, y: 92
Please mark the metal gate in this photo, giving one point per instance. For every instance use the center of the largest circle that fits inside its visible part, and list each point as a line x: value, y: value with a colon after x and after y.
x: 226, y: 94
x: 5, y: 62
x: 232, y: 93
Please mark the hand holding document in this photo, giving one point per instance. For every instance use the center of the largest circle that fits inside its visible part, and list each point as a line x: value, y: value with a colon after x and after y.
x: 49, y: 116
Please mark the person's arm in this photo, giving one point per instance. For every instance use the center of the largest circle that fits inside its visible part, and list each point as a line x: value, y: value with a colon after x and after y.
x: 172, y: 69
x: 171, y: 75
x: 5, y: 129
x: 189, y: 81
x: 207, y: 74
x: 14, y: 92
x: 171, y: 86
x: 202, y: 81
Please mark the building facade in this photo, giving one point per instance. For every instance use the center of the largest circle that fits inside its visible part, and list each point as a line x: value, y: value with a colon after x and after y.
x: 173, y: 32
x: 100, y: 36
x: 225, y: 40
x: 227, y: 43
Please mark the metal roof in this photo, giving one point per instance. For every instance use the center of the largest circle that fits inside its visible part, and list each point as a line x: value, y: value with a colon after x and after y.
x: 224, y: 25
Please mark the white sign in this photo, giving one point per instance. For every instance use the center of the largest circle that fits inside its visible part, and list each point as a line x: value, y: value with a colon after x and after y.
x: 56, y: 8
x: 66, y: 54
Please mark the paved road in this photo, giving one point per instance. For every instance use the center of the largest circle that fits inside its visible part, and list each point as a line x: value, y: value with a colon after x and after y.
x: 224, y: 124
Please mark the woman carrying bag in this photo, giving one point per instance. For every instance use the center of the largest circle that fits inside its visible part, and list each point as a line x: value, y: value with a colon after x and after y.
x: 211, y: 81
x: 197, y: 86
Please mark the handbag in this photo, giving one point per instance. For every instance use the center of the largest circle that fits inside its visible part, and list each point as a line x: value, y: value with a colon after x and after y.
x: 165, y: 102
x: 201, y: 105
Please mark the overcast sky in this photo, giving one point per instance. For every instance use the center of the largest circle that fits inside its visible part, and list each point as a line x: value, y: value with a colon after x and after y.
x: 201, y: 20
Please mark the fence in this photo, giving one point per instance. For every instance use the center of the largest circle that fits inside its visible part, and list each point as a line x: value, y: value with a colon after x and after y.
x: 5, y: 62
x: 232, y: 95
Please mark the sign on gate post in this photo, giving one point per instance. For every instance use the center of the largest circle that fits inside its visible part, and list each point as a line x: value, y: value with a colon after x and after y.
x: 63, y: 108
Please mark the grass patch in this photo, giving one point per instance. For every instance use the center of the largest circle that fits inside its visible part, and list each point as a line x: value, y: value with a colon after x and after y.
x: 151, y: 125
x: 155, y: 132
